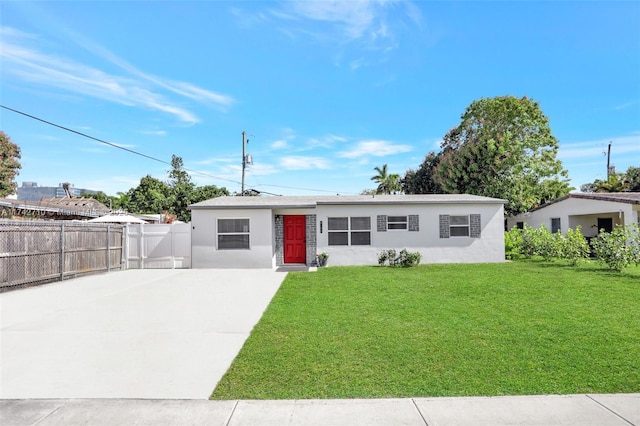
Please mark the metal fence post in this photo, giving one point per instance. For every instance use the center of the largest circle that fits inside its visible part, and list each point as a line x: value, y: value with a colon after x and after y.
x: 61, y: 251
x: 108, y: 248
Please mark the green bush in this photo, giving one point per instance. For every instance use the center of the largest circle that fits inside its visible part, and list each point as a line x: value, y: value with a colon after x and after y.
x: 529, y: 242
x: 574, y: 246
x: 405, y: 258
x: 619, y: 248
x: 513, y: 244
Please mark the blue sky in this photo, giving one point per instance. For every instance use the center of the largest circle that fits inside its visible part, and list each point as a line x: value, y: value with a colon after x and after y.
x: 326, y: 90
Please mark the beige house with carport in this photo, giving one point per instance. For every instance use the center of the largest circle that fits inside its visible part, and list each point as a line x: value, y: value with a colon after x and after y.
x: 591, y: 211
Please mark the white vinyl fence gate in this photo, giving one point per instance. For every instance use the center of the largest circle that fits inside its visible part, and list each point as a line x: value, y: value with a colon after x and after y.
x: 158, y: 246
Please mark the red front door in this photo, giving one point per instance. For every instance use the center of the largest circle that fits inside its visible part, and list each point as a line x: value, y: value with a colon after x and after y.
x: 295, y: 242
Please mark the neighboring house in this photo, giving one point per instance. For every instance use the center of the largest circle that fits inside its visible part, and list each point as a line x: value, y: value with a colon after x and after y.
x: 590, y: 211
x: 267, y: 232
x: 54, y: 208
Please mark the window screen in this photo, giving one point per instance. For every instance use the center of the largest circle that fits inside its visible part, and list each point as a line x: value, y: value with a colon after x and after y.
x: 459, y: 226
x: 233, y: 234
x: 396, y: 222
x: 344, y: 231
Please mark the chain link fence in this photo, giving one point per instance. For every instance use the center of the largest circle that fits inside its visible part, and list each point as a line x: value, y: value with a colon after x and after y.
x: 37, y: 252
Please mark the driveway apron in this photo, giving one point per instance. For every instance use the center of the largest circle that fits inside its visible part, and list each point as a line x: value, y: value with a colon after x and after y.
x: 168, y: 334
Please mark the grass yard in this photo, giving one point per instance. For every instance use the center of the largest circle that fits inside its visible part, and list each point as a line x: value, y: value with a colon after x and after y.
x: 522, y: 327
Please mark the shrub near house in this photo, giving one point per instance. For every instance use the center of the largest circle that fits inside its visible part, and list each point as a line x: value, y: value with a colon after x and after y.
x: 617, y: 249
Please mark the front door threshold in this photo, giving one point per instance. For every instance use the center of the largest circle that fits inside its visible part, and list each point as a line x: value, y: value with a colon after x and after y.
x: 294, y: 267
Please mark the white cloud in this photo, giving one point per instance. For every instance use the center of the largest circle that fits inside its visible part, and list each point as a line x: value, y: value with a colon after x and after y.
x: 154, y: 132
x: 327, y: 141
x: 136, y: 88
x: 592, y: 149
x: 375, y: 148
x: 627, y: 104
x: 355, y: 17
x: 304, y: 163
x: 281, y: 143
x: 366, y: 21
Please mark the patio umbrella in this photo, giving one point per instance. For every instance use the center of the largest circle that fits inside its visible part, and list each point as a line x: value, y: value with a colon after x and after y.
x: 116, y: 218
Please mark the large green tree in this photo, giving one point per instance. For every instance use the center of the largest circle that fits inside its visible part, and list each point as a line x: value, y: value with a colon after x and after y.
x: 422, y: 180
x: 628, y: 181
x: 388, y: 183
x: 173, y: 197
x: 150, y: 196
x: 632, y: 176
x: 182, y: 188
x: 9, y: 164
x: 206, y: 192
x: 504, y: 148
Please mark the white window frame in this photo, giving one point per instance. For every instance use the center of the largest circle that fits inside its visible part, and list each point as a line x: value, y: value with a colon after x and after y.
x: 404, y: 222
x: 247, y: 233
x: 349, y: 230
x: 459, y: 226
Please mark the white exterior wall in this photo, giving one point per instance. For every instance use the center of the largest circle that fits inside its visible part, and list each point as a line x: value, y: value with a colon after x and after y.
x: 579, y: 211
x: 433, y: 249
x: 205, y: 253
x: 427, y: 241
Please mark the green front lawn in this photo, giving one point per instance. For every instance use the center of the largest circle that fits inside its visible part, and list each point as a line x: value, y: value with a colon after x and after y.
x: 436, y: 330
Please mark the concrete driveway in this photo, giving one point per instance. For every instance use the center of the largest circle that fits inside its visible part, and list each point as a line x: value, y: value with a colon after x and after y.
x: 130, y: 334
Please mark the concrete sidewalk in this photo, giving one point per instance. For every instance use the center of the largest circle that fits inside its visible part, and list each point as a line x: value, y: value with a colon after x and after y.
x: 559, y: 410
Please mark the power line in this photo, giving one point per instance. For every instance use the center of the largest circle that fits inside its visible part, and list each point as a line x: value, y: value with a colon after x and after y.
x: 111, y: 144
x: 149, y: 157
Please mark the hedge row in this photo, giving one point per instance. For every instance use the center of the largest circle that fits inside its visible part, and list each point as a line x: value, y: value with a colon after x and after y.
x: 617, y: 249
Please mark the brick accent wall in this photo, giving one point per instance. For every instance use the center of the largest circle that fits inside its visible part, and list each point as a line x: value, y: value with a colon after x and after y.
x: 312, y: 243
x: 475, y: 226
x: 279, y: 228
x: 444, y: 226
x: 381, y: 223
x: 414, y: 223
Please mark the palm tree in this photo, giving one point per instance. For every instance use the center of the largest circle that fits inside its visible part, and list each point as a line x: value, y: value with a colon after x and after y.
x: 387, y: 183
x: 616, y: 183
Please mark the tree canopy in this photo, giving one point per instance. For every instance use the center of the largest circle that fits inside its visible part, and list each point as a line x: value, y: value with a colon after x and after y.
x: 388, y: 183
x: 173, y: 197
x: 422, y: 181
x: 628, y: 181
x: 9, y: 164
x: 503, y: 148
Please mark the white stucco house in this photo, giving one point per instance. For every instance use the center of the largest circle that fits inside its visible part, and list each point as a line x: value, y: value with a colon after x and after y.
x: 590, y: 211
x: 268, y: 232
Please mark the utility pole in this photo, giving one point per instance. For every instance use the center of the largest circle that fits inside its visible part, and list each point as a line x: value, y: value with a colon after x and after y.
x: 609, y: 162
x: 246, y: 158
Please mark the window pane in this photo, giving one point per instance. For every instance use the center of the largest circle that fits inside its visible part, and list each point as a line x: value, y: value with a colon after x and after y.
x: 459, y: 231
x: 338, y: 238
x: 397, y: 219
x: 396, y: 226
x: 360, y: 223
x: 233, y: 225
x: 361, y: 238
x: 459, y: 220
x: 231, y: 242
x: 338, y: 224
